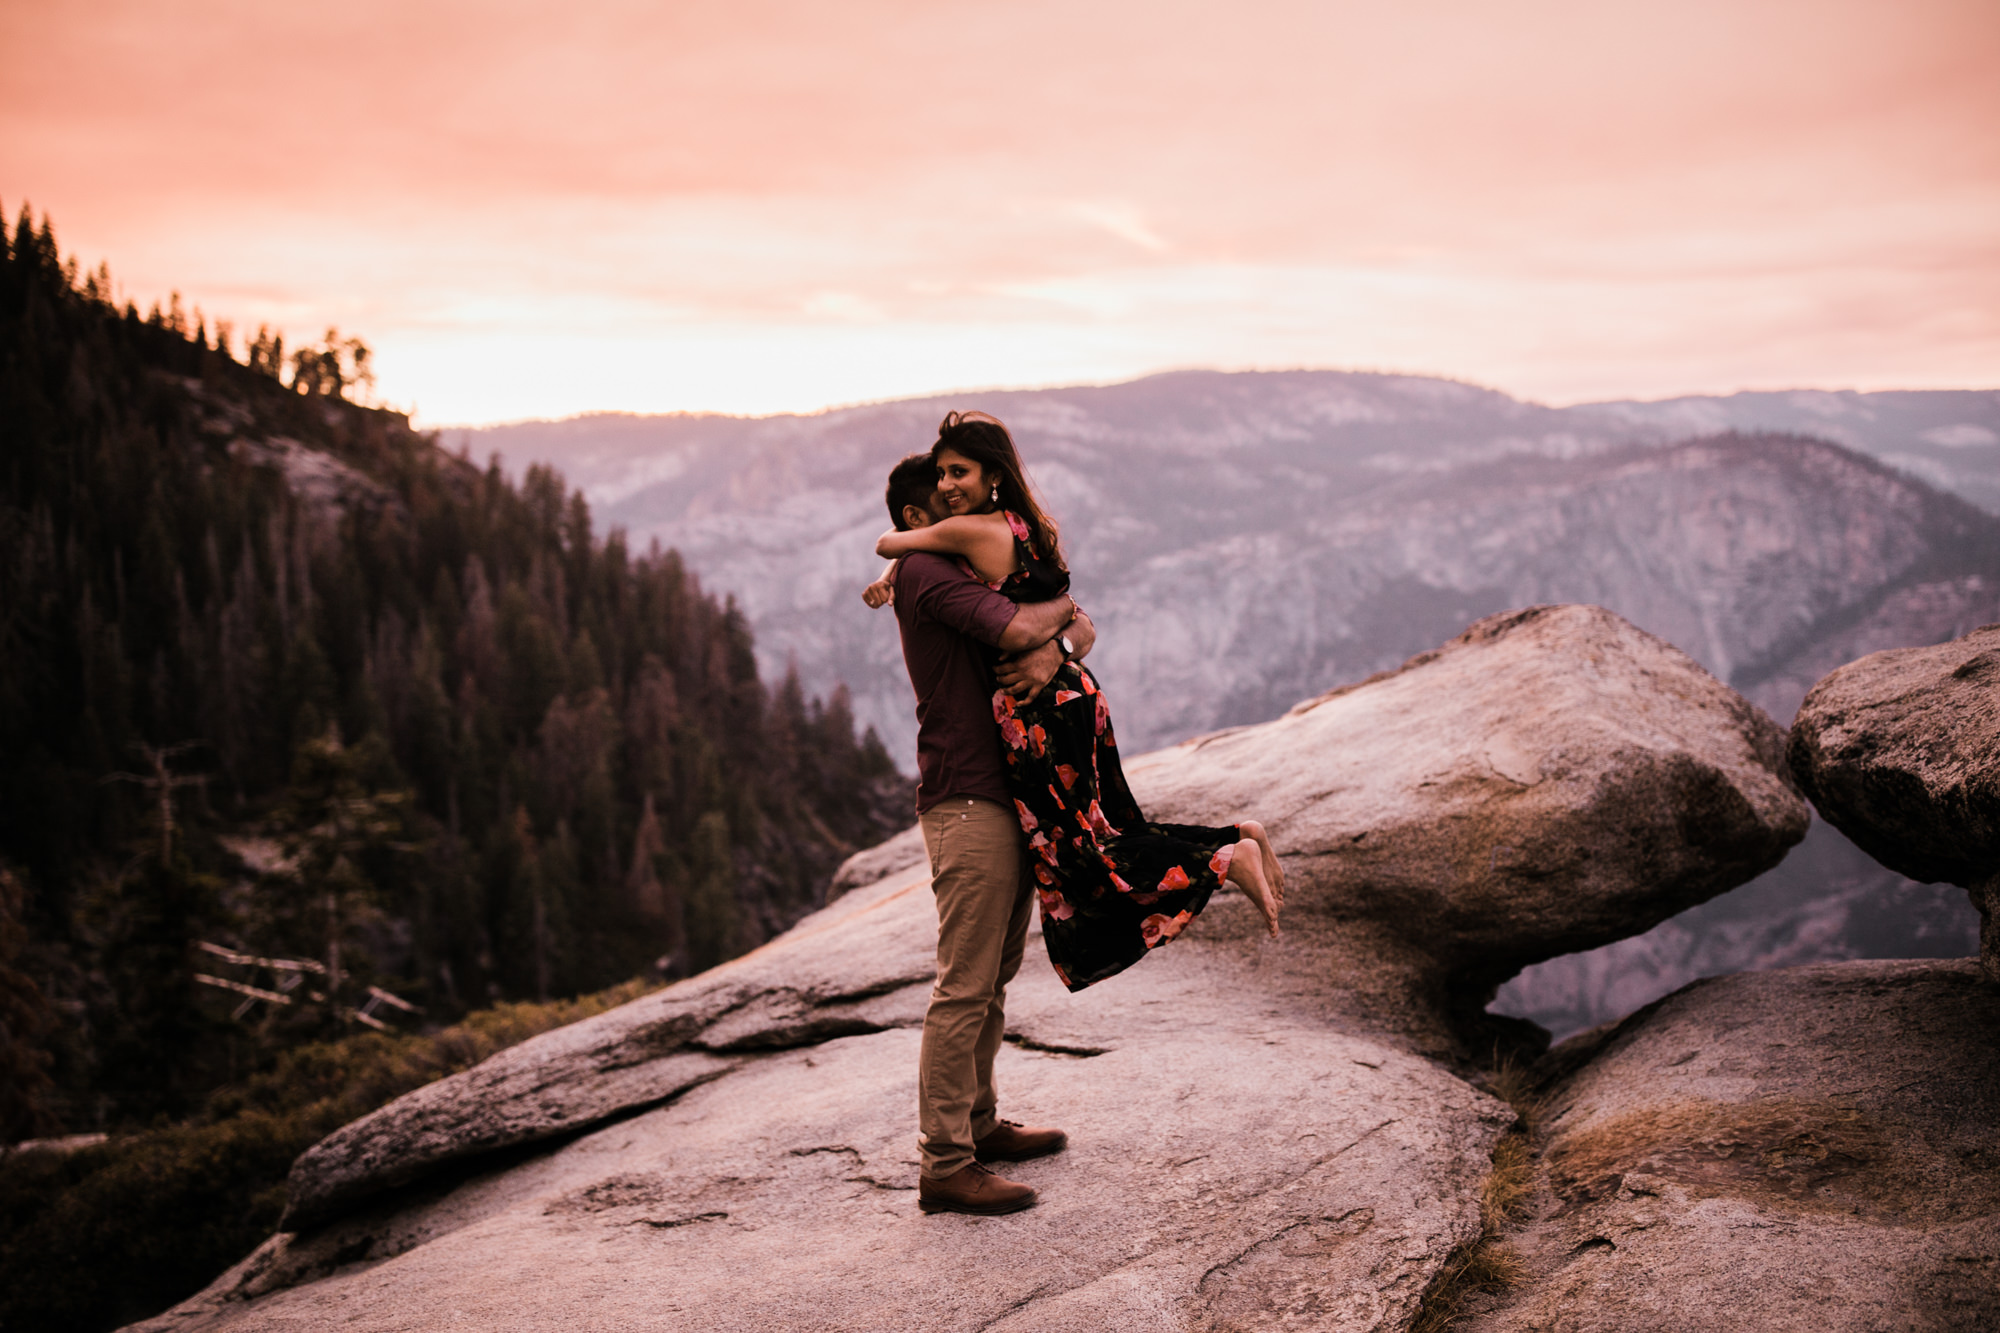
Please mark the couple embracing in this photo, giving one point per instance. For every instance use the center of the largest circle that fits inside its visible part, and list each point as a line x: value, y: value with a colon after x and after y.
x: 1020, y: 793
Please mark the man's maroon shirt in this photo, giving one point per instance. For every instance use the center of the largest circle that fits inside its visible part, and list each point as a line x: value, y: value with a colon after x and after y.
x: 949, y: 620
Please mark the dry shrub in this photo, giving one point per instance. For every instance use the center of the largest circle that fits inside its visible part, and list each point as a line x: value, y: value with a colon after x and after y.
x: 1489, y: 1264
x: 1508, y: 1194
x: 1516, y: 1085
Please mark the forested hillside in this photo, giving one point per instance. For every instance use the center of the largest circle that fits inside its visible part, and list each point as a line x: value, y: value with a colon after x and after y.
x: 280, y: 676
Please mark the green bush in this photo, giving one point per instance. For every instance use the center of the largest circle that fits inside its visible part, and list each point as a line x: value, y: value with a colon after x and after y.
x: 97, y: 1238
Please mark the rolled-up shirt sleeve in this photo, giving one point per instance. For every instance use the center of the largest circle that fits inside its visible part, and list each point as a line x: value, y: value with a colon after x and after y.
x: 939, y: 590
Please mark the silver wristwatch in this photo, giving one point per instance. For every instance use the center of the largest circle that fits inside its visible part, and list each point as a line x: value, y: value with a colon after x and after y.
x: 1068, y: 648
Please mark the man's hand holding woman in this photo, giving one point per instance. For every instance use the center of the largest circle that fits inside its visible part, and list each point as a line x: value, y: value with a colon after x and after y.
x: 1026, y: 674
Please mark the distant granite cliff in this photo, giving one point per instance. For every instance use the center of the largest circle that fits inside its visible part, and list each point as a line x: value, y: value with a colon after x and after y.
x: 1245, y: 540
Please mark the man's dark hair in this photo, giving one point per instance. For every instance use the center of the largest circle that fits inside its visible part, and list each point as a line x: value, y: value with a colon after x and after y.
x: 911, y: 482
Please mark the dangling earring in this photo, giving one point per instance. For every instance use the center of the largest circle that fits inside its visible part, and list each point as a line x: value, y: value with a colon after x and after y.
x: 995, y: 496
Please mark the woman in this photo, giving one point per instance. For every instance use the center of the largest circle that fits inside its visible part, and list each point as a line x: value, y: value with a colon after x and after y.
x: 1112, y: 884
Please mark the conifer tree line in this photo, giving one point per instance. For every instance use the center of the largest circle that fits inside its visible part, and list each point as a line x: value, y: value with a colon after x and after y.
x: 280, y: 676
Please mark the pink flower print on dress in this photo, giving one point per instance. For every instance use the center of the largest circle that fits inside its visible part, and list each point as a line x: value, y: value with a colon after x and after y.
x: 1016, y: 735
x: 1119, y: 884
x: 1019, y: 527
x: 1103, y: 713
x: 1038, y: 740
x: 1219, y: 863
x: 1064, y: 696
x: 1099, y: 824
x: 1003, y: 705
x: 1175, y: 878
x: 1067, y: 774
x: 1055, y: 907
x: 1045, y: 875
x: 1057, y: 799
x: 1158, y: 928
x: 1028, y: 824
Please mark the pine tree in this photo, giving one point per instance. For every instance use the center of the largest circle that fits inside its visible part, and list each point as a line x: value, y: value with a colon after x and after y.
x: 26, y: 1020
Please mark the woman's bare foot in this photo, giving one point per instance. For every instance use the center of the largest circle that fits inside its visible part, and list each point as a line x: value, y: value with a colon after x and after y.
x: 1274, y: 870
x: 1246, y: 872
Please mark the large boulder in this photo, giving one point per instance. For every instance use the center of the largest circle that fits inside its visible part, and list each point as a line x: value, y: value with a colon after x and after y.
x: 1551, y: 780
x: 1901, y: 752
x: 1810, y: 1148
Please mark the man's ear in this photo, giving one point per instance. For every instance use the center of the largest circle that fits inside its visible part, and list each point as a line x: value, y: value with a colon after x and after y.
x: 916, y: 516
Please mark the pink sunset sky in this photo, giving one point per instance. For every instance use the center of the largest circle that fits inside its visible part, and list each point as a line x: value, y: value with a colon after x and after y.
x: 535, y: 209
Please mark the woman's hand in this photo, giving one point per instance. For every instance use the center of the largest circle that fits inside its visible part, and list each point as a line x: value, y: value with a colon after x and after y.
x: 882, y: 592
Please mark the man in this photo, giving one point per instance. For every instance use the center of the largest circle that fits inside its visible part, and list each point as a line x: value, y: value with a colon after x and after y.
x: 949, y: 622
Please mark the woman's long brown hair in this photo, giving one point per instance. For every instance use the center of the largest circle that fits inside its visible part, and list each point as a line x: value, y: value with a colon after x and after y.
x: 986, y: 442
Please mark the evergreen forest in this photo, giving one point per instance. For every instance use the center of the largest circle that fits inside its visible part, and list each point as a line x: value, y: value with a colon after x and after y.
x: 311, y: 730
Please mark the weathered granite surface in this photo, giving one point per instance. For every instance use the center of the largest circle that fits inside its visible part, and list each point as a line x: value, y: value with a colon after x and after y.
x: 1900, y: 751
x: 1235, y: 1163
x: 1814, y: 1148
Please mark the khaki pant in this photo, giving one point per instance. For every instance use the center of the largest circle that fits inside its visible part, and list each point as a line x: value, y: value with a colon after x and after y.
x: 983, y: 901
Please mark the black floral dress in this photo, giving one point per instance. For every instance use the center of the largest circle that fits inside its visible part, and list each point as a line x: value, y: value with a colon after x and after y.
x: 1111, y: 883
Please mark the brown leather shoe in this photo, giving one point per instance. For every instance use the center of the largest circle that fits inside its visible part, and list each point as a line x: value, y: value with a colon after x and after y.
x: 972, y: 1189
x: 1012, y: 1142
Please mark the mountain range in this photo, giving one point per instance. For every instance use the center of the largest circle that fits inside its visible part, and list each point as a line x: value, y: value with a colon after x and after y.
x: 1247, y: 540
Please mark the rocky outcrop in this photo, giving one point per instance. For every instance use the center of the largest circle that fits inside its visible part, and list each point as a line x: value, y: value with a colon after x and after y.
x: 1235, y: 1163
x: 1540, y: 784
x: 1901, y: 752
x: 1809, y: 1148
x: 1551, y: 780
x: 1265, y: 1134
